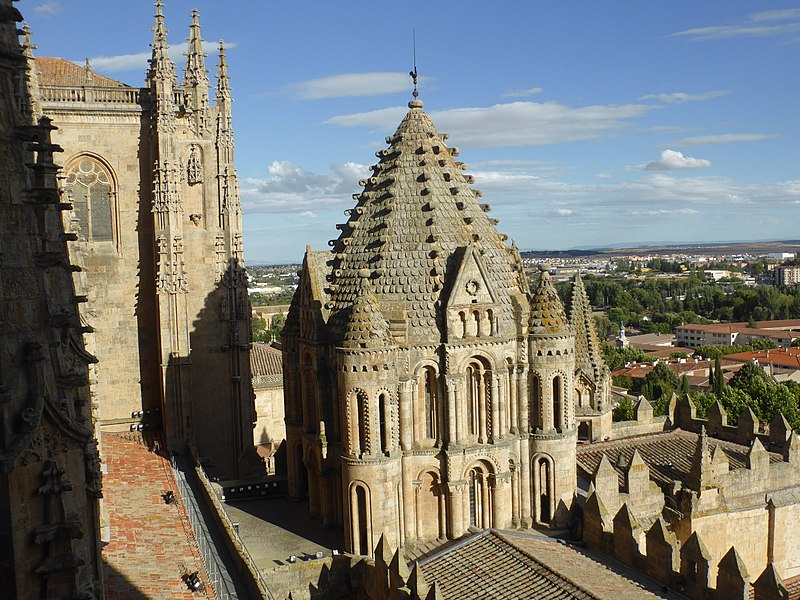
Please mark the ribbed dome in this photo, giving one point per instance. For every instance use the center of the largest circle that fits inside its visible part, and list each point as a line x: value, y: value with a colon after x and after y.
x: 414, y: 212
x: 547, y: 312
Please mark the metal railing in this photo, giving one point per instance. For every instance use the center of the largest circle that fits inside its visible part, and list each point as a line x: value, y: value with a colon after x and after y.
x: 218, y: 575
x: 230, y: 529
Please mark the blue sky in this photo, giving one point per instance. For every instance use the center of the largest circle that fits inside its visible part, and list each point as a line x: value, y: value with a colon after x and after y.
x: 584, y: 123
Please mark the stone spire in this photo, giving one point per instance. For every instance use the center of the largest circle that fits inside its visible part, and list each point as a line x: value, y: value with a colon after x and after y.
x: 588, y: 356
x: 415, y: 212
x: 366, y: 327
x: 700, y: 475
x: 547, y: 313
x: 195, y: 80
x: 161, y: 66
x: 223, y: 85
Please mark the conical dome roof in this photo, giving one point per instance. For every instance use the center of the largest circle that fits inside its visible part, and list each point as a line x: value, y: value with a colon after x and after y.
x: 588, y: 355
x: 366, y: 327
x: 547, y: 312
x: 415, y: 211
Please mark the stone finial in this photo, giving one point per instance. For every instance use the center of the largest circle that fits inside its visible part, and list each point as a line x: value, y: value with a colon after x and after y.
x: 695, y: 559
x: 717, y: 417
x: 195, y: 72
x: 435, y: 592
x: 627, y: 533
x: 719, y: 462
x: 547, y: 315
x: 685, y: 411
x: 637, y: 475
x: 732, y: 577
x: 643, y: 410
x: 416, y: 583
x: 769, y: 585
x: 223, y: 85
x: 606, y: 480
x: 595, y: 520
x: 399, y: 573
x: 791, y: 452
x: 383, y: 552
x: 747, y: 425
x: 700, y: 474
x: 757, y: 458
x: 661, y: 552
x: 625, y: 519
x: 779, y: 430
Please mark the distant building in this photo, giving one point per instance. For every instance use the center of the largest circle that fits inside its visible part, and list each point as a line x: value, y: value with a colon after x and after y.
x: 788, y: 275
x: 694, y: 335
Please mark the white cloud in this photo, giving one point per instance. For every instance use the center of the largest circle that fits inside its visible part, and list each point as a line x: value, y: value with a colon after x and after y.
x: 514, y: 123
x: 771, y: 23
x: 48, y: 9
x: 522, y: 93
x: 350, y: 84
x: 289, y: 188
x: 602, y: 176
x: 681, y: 97
x: 562, y: 212
x: 672, y: 160
x: 121, y: 63
x: 724, y: 138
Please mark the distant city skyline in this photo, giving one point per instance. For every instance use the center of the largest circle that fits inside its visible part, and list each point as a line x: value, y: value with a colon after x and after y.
x: 585, y: 125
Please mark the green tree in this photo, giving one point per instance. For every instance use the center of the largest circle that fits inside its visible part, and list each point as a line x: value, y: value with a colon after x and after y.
x: 624, y: 410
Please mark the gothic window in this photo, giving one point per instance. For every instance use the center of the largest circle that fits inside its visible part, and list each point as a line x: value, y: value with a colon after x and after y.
x: 90, y: 189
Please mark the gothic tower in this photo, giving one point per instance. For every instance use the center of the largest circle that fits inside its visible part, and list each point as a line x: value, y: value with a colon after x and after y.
x: 157, y: 225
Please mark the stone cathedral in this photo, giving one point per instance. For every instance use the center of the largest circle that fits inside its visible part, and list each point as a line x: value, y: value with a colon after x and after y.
x: 155, y: 230
x: 428, y: 389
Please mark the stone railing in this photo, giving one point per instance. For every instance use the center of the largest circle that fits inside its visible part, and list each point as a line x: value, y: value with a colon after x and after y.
x: 92, y: 95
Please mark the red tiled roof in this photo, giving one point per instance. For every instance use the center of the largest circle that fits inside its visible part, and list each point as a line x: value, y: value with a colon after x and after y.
x: 150, y: 540
x: 60, y: 72
x: 265, y: 360
x: 780, y: 357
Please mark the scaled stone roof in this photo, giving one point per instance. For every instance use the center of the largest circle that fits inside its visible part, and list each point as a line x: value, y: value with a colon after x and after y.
x: 547, y: 313
x: 414, y: 213
x: 588, y: 356
x: 668, y: 455
x: 366, y: 327
x: 60, y: 72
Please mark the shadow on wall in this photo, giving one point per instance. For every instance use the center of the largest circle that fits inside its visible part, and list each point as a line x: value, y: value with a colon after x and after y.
x: 208, y: 393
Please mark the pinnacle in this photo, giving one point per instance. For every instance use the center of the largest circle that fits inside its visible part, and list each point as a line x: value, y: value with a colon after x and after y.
x: 547, y: 312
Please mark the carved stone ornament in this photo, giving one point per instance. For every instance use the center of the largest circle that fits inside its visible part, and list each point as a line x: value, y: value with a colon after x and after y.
x: 194, y: 170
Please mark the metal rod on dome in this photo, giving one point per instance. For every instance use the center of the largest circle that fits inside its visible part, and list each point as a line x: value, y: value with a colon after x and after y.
x: 413, y: 73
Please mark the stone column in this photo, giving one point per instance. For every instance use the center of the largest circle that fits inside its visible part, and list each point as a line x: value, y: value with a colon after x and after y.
x: 456, y: 517
x: 486, y: 506
x: 406, y: 436
x: 452, y: 433
x: 524, y: 451
x: 515, y: 498
x: 497, y: 430
x: 500, y: 501
x: 514, y: 408
x: 482, y: 439
x: 409, y: 504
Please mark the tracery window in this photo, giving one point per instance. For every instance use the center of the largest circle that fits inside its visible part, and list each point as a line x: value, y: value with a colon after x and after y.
x: 90, y: 189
